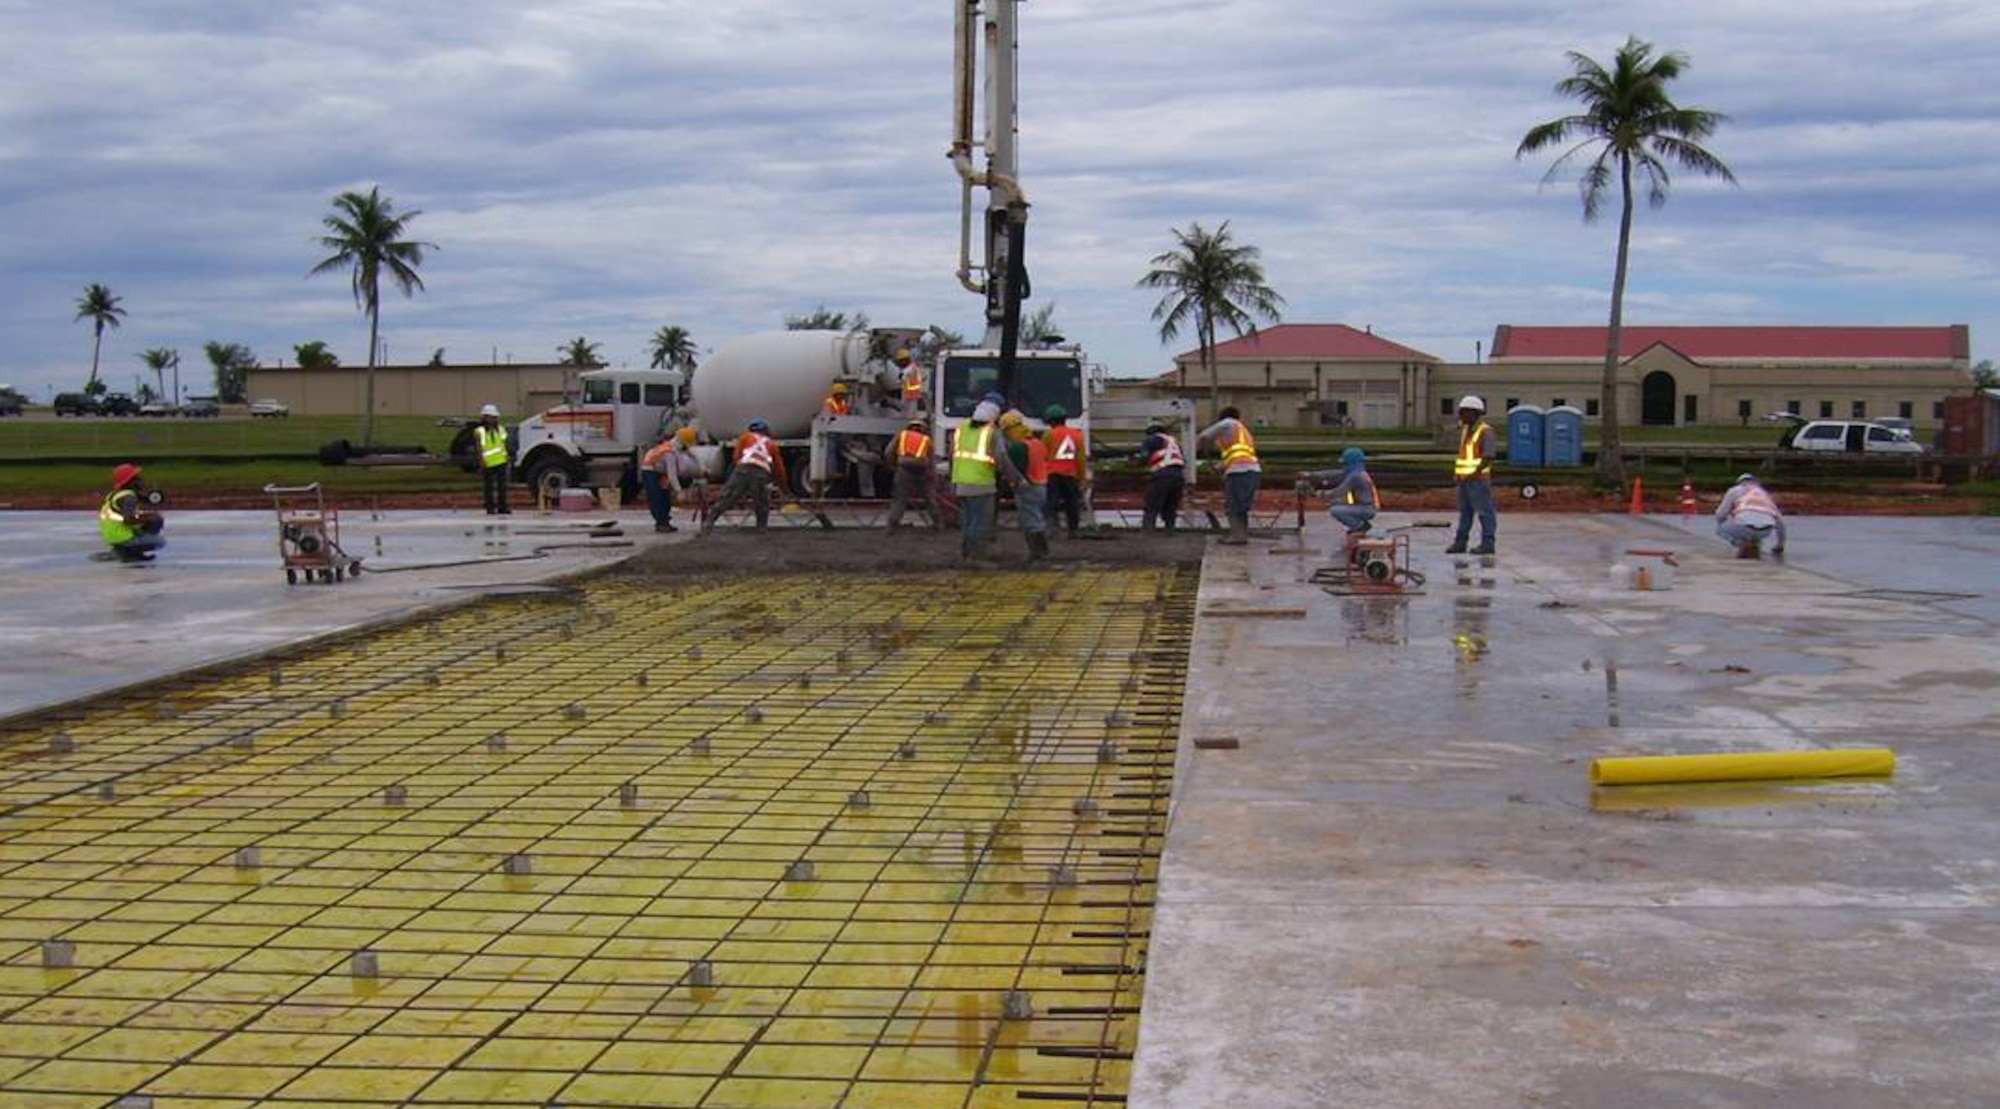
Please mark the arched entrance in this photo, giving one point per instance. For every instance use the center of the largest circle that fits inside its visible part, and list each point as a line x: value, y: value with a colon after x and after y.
x: 1656, y: 399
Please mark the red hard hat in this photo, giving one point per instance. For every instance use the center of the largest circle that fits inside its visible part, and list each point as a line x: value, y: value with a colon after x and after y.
x: 123, y: 475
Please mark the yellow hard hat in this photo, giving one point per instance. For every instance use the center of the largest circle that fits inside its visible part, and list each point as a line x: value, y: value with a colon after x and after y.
x: 903, y: 354
x: 686, y: 435
x: 839, y: 387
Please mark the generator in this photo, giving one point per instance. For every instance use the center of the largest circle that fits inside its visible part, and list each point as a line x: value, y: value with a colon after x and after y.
x: 309, y: 536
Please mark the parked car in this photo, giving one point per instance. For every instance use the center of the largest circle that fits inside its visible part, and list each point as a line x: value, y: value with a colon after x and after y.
x: 1850, y: 436
x: 77, y: 404
x: 199, y: 407
x: 118, y: 404
x: 157, y: 408
x: 271, y: 408
x: 10, y: 403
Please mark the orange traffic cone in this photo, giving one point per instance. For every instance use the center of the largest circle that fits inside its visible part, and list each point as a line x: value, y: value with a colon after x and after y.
x: 1638, y: 498
x: 1687, y: 498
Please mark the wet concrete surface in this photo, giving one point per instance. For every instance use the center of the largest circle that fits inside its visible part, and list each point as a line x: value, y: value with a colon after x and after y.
x: 1401, y: 890
x: 71, y: 626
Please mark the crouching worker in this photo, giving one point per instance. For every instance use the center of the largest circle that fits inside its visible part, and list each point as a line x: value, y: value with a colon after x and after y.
x: 758, y: 464
x: 129, y: 529
x: 1747, y: 516
x: 1353, y: 491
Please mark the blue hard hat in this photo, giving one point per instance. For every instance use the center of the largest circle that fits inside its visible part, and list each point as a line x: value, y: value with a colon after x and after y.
x: 1352, y: 458
x: 758, y: 424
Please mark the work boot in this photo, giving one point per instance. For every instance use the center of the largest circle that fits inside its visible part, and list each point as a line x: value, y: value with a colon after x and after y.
x: 1038, y: 546
x: 1239, y: 532
x: 1749, y: 550
x: 1485, y: 548
x: 1457, y: 547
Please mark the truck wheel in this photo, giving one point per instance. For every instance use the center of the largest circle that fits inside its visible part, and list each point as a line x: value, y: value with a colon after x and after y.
x: 550, y: 476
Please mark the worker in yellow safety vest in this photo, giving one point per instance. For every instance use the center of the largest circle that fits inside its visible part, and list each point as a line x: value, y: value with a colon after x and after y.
x: 977, y: 460
x: 491, y: 440
x: 1472, y: 471
x: 1241, y: 471
x: 128, y: 528
x: 915, y: 478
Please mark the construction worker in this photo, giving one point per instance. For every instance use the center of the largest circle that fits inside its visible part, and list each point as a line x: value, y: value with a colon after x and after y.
x: 915, y: 477
x: 1069, y: 465
x: 1355, y: 501
x: 913, y: 382
x: 1472, y: 470
x: 1031, y: 494
x: 977, y: 460
x: 1241, y: 472
x: 131, y: 531
x: 1747, y: 515
x: 660, y: 472
x: 1166, y: 469
x: 758, y: 463
x: 493, y: 461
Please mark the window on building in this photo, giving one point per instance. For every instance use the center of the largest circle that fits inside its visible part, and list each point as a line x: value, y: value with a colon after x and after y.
x: 1860, y: 410
x: 1794, y: 407
x: 1906, y: 409
x: 1826, y: 410
x: 1340, y: 408
x: 1557, y: 402
x: 1512, y: 404
x: 1937, y: 410
x: 628, y: 392
x: 1590, y: 407
x: 1743, y: 410
x: 1444, y: 407
x: 1690, y: 410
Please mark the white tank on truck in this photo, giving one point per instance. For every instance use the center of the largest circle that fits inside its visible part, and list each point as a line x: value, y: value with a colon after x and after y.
x: 781, y: 376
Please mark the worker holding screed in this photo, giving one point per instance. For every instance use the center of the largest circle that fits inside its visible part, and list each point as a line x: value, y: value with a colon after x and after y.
x: 1747, y: 516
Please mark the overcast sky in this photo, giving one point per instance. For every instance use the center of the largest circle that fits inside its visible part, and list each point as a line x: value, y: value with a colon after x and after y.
x: 603, y: 167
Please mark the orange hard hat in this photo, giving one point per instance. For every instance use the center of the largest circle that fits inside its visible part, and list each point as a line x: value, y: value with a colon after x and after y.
x: 124, y: 475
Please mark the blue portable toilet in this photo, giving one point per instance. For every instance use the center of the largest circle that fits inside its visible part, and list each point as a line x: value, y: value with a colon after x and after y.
x: 1564, y: 438
x: 1525, y: 435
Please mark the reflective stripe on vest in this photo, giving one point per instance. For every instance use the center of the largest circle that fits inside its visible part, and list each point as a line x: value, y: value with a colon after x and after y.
x: 972, y: 462
x: 757, y: 452
x: 111, y: 524
x: 1755, y: 499
x: 1469, y: 463
x: 913, y: 446
x: 1065, y: 446
x: 913, y: 387
x: 838, y: 406
x: 1374, y: 495
x: 1240, y: 449
x: 492, y: 446
x: 1169, y: 454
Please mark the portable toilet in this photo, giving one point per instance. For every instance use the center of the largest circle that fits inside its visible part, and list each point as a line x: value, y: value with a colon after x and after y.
x: 1563, y: 438
x: 1525, y: 432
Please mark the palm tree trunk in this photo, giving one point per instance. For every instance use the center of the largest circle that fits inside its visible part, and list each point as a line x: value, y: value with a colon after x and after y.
x: 1610, y: 458
x: 374, y: 327
x: 96, y: 349
x: 1208, y: 363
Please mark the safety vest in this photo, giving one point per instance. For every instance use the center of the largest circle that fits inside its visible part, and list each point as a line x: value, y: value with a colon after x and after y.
x: 972, y: 456
x: 1469, y: 464
x: 656, y: 459
x: 1755, y: 499
x: 754, y: 450
x: 1037, y: 469
x: 1374, y: 495
x: 492, y: 446
x: 1241, y: 450
x: 913, y: 387
x: 1065, y: 446
x: 837, y: 406
x: 913, y: 447
x: 111, y: 524
x: 1169, y: 454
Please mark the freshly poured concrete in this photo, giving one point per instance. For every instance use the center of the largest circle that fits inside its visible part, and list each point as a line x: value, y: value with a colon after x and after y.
x: 70, y: 627
x: 1400, y: 891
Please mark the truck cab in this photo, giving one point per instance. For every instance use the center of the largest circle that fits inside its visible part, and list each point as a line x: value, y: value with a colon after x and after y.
x: 596, y: 439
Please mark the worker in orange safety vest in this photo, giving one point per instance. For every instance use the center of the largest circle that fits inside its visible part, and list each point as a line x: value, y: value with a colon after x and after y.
x: 1069, y: 466
x: 758, y: 464
x: 1747, y: 516
x: 916, y: 474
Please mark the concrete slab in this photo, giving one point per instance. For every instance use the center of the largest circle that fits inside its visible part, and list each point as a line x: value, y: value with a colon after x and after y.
x: 1401, y: 891
x: 70, y: 627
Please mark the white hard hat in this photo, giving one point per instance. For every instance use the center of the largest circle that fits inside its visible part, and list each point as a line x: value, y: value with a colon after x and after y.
x: 985, y: 412
x: 1472, y: 402
x: 492, y: 410
x: 1741, y: 478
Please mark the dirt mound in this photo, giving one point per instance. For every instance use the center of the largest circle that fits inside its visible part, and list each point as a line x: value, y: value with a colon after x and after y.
x: 729, y: 551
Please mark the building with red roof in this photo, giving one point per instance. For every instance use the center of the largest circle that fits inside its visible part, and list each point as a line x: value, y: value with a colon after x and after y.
x: 1304, y: 375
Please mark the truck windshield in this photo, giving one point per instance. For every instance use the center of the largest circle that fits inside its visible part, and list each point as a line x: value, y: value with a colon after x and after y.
x: 599, y: 391
x: 1038, y: 383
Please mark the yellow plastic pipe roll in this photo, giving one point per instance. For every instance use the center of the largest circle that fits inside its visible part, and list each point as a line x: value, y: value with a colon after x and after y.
x: 1762, y: 766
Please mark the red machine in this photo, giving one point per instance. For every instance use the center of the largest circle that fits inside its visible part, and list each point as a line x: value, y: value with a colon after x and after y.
x: 1371, y: 566
x: 309, y: 535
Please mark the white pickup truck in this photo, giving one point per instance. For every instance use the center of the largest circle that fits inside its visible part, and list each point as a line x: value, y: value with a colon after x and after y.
x: 596, y: 439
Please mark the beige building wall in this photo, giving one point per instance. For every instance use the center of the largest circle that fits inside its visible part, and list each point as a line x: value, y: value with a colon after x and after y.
x: 1305, y: 392
x: 414, y: 390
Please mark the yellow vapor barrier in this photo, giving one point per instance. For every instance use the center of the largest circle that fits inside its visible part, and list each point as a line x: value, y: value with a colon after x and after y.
x: 1760, y: 766
x: 688, y: 844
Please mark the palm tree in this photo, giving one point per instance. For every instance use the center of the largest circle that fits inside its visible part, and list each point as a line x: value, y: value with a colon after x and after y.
x: 673, y: 348
x: 367, y: 236
x: 101, y: 308
x: 580, y: 352
x: 1210, y: 279
x: 1630, y: 123
x: 233, y: 363
x: 160, y: 360
x: 1041, y: 327
x: 313, y: 355
x: 937, y: 339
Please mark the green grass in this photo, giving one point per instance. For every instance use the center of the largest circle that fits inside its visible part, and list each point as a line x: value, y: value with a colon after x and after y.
x: 140, y: 439
x: 245, y: 477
